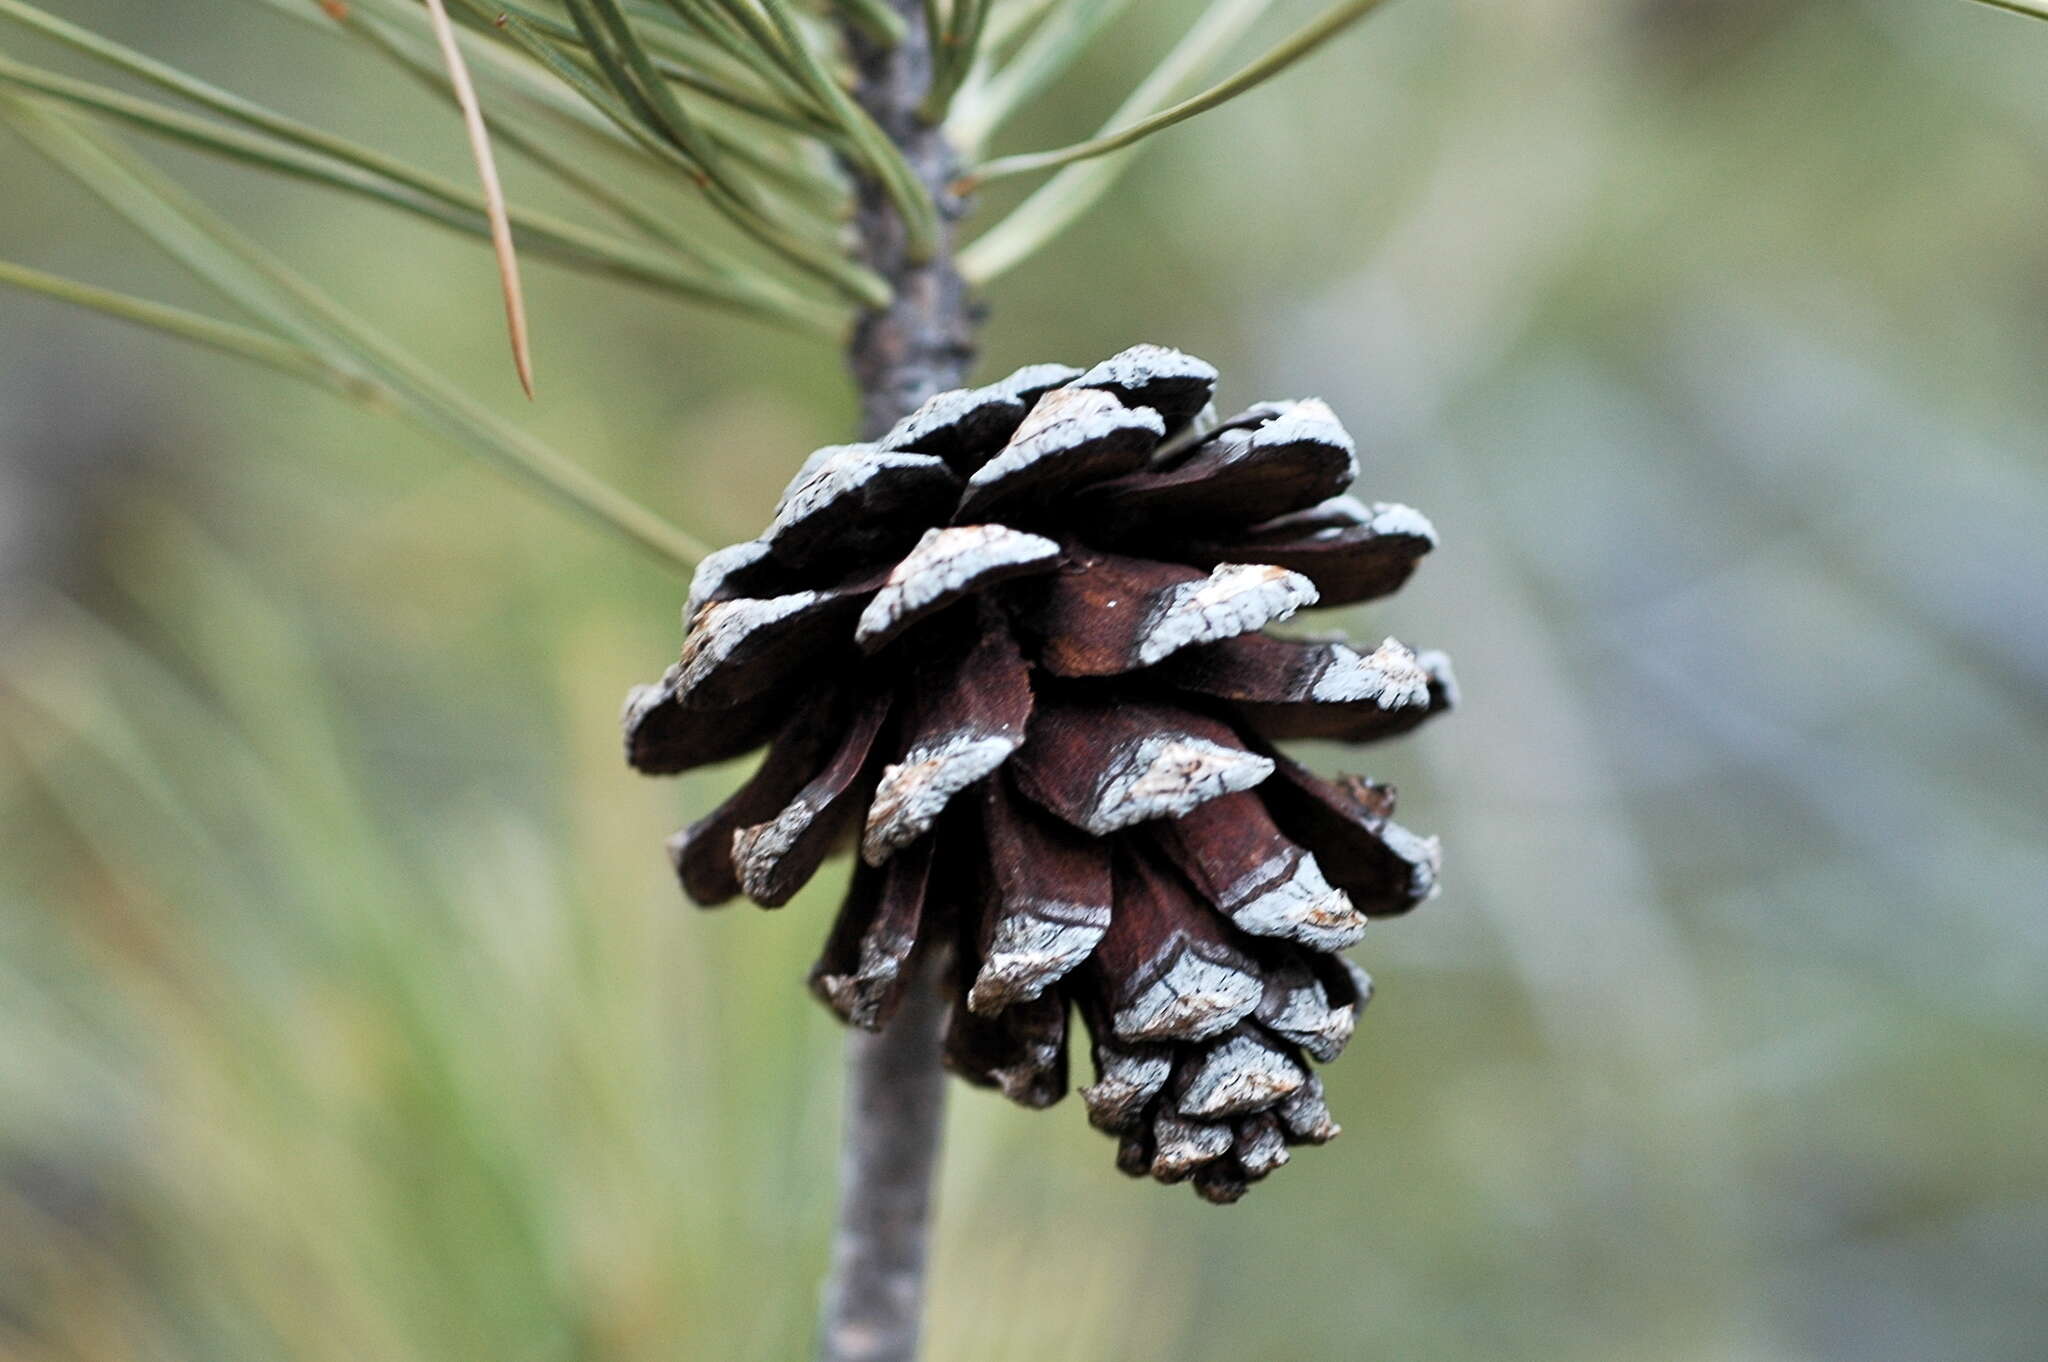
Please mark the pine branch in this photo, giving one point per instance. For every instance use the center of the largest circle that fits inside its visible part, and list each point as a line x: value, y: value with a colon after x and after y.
x: 895, y: 1108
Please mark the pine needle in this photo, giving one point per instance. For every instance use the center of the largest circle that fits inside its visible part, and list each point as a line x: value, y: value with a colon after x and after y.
x: 226, y: 337
x: 494, y: 194
x: 1054, y: 206
x: 1326, y: 26
x: 2033, y: 9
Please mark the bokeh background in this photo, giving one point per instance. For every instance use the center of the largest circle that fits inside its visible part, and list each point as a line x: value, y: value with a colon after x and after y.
x: 348, y: 1010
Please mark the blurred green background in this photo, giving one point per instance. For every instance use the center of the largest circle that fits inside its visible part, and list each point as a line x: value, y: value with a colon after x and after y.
x: 348, y: 1009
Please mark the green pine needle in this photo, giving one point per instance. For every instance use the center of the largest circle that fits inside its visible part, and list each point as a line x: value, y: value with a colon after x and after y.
x: 1045, y: 56
x: 269, y: 289
x: 278, y: 144
x: 1327, y: 26
x: 229, y: 338
x: 874, y: 18
x: 1055, y: 205
x: 953, y: 54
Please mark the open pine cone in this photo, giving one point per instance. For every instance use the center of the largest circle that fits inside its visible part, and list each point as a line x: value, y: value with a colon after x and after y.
x: 1014, y: 650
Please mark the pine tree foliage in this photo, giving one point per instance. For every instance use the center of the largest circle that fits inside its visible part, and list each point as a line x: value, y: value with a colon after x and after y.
x: 743, y: 106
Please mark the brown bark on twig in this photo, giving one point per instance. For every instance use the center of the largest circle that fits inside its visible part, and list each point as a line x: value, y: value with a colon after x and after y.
x: 921, y: 344
x: 895, y: 1098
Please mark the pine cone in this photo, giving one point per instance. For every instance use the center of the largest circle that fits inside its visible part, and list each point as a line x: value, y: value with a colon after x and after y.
x: 1014, y: 651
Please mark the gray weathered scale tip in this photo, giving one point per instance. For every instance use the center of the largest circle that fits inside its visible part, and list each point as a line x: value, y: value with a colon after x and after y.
x: 759, y: 849
x: 859, y: 997
x: 1221, y: 1183
x: 1347, y: 823
x: 1339, y: 514
x: 964, y: 424
x: 643, y: 700
x: 1207, y: 424
x: 1034, y: 381
x: 1174, y: 384
x: 1180, y: 1146
x: 1297, y: 1008
x: 1308, y: 422
x: 776, y: 858
x: 915, y: 791
x: 1236, y: 857
x: 1411, y: 861
x: 1424, y: 857
x: 1071, y: 437
x: 762, y: 852
x: 1302, y: 907
x: 1311, y: 671
x: 1022, y: 1052
x: 953, y: 420
x: 1270, y: 429
x: 855, y: 495
x: 1391, y: 518
x: 1307, y: 1115
x: 702, y: 852
x: 1260, y: 1145
x: 1028, y: 1083
x: 1347, y: 566
x: 1240, y: 476
x: 1105, y: 614
x: 1351, y: 551
x: 717, y: 568
x: 1237, y: 598
x: 1166, y: 775
x: 970, y: 708
x: 1307, y: 688
x: 1032, y: 949
x: 1127, y: 1081
x: 817, y: 459
x: 735, y: 649
x: 1361, y: 983
x: 1238, y: 1075
x: 1102, y: 767
x: 1287, y: 897
x: 1443, y: 682
x: 863, y: 972
x: 946, y: 566
x: 721, y: 628
x: 1390, y: 676
x: 1192, y: 998
x: 1046, y: 901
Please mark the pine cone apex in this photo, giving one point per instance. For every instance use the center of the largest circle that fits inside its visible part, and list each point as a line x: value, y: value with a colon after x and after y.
x: 1015, y: 651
